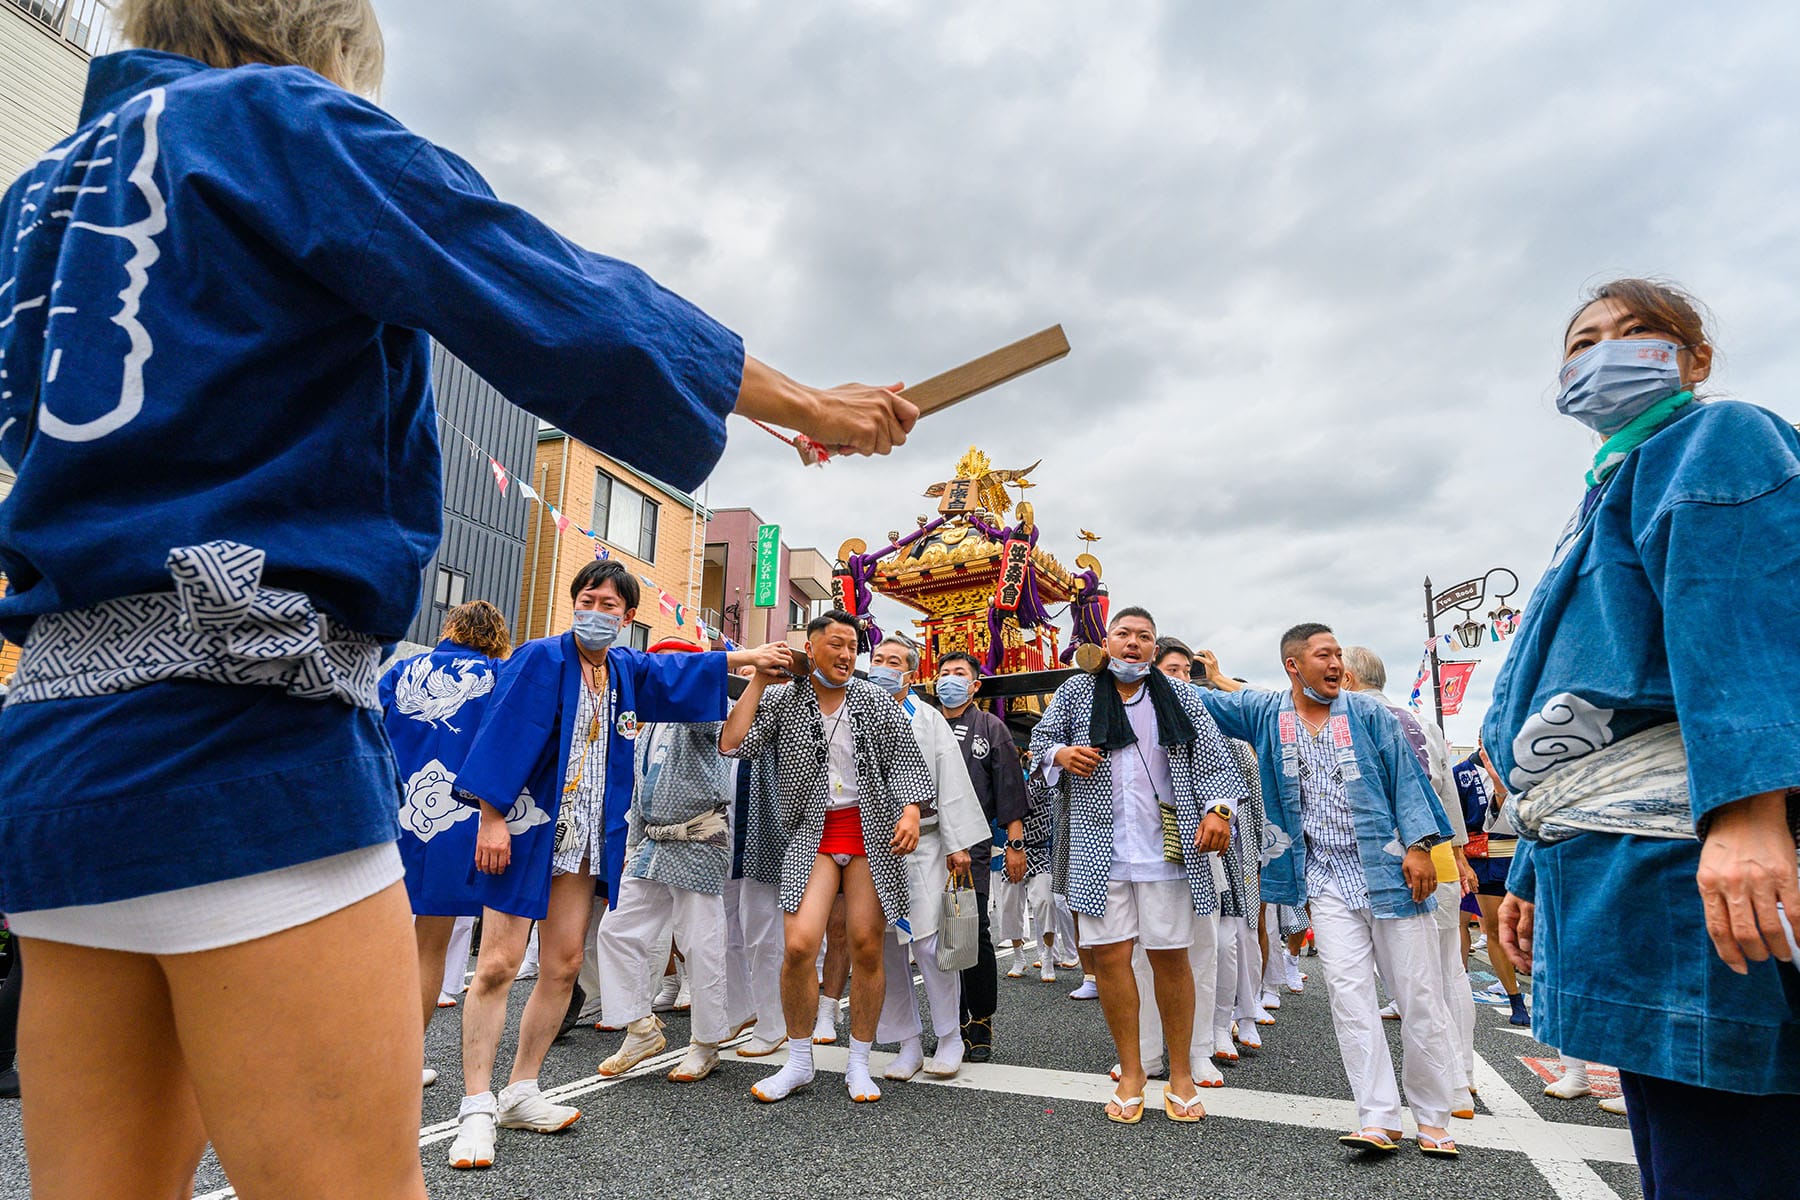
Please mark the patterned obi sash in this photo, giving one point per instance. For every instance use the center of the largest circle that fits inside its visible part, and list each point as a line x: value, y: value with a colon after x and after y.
x: 219, y: 625
x: 1638, y: 785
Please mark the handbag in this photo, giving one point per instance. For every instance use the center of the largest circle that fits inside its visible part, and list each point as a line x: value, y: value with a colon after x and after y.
x: 959, y: 929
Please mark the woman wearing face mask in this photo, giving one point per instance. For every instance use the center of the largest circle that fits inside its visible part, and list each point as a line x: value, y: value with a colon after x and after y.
x: 1649, y: 755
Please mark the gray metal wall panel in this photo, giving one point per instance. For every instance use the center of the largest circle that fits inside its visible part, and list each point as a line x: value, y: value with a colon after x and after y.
x: 484, y: 531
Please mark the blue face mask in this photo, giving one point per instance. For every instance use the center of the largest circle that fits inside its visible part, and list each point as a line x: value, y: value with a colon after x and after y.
x: 1315, y: 697
x: 889, y: 679
x: 953, y: 691
x: 1127, y: 672
x: 1611, y: 382
x: 595, y: 630
x: 819, y: 680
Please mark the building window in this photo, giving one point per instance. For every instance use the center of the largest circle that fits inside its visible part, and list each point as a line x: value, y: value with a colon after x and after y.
x: 797, y: 615
x: 639, y: 636
x: 451, y: 588
x: 625, y: 516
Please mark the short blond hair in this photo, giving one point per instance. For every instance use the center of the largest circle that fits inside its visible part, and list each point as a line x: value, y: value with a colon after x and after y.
x: 340, y: 39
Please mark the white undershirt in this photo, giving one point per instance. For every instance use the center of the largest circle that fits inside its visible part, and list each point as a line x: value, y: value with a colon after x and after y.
x: 1140, y: 775
x: 840, y: 774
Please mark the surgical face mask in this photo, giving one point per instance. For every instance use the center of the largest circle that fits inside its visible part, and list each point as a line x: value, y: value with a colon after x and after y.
x: 595, y: 630
x: 953, y: 691
x: 889, y: 679
x: 819, y: 680
x: 1315, y: 697
x: 1127, y: 672
x: 1611, y: 382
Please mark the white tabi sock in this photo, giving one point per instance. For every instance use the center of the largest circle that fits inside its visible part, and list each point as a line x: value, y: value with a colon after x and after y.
x: 906, y: 1064
x: 483, y: 1103
x: 947, y: 1059
x: 796, y: 1074
x: 856, y: 1074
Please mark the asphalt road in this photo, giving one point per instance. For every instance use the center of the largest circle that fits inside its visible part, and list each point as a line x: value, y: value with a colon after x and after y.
x: 1029, y: 1124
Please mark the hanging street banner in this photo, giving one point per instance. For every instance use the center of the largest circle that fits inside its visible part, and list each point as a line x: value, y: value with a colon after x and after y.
x: 1455, y: 679
x: 768, y: 563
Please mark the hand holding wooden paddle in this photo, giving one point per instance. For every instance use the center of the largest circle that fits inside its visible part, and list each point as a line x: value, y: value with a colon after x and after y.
x: 855, y: 418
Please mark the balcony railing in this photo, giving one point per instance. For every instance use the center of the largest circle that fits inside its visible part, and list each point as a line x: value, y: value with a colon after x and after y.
x: 85, y: 24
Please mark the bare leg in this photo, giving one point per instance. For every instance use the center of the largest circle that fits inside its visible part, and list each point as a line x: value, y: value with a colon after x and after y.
x: 1081, y: 951
x: 503, y: 938
x: 309, y: 1032
x: 1174, y: 977
x: 1503, y: 966
x: 109, y: 1109
x: 432, y: 936
x: 1119, y: 1003
x: 804, y: 928
x: 562, y: 939
x: 836, y: 971
x: 865, y: 924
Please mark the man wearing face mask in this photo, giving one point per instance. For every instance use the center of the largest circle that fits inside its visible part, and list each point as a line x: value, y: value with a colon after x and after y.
x: 1351, y: 800
x: 852, y: 786
x: 1152, y: 789
x: 988, y: 753
x: 950, y: 824
x: 551, y: 774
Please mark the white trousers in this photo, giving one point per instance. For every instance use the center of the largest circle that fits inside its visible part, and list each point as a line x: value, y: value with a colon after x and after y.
x: 900, y: 1000
x: 456, y: 957
x: 1062, y: 923
x: 740, y: 1003
x: 765, y: 942
x: 1237, y: 997
x: 634, y: 948
x: 1274, y: 975
x: 1203, y: 960
x: 1351, y: 943
x: 1008, y: 908
x: 1457, y: 992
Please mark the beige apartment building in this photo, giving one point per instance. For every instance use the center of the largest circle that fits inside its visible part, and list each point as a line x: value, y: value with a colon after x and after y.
x: 656, y: 530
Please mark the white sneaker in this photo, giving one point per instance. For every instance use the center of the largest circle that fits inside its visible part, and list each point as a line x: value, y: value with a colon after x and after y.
x: 643, y: 1037
x: 1390, y: 1011
x: 759, y: 1048
x: 446, y: 1000
x: 825, y: 1028
x: 429, y: 1077
x: 666, y: 994
x: 473, y: 1145
x: 1089, y: 990
x: 947, y: 1060
x: 696, y: 1064
x: 522, y: 1109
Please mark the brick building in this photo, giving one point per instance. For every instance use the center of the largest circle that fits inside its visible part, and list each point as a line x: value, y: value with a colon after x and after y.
x: 654, y: 529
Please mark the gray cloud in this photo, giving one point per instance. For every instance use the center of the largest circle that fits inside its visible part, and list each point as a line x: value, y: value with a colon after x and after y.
x: 1314, y: 264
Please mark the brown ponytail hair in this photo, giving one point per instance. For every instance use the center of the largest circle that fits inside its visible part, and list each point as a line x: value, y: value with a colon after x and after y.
x: 479, y: 626
x: 1663, y: 306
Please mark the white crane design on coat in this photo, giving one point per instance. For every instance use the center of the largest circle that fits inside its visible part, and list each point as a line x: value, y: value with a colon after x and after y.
x: 434, y: 696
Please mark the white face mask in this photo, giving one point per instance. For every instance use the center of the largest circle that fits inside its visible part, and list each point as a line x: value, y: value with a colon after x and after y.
x: 595, y: 630
x: 1611, y: 382
x: 1127, y: 672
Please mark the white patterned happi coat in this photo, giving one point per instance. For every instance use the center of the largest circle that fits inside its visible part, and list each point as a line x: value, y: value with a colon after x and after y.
x: 890, y: 774
x: 1203, y: 771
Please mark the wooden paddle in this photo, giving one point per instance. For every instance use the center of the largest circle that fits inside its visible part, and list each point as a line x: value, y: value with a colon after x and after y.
x: 990, y: 370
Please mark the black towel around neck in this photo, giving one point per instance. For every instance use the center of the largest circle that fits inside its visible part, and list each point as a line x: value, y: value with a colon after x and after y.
x: 1110, y: 729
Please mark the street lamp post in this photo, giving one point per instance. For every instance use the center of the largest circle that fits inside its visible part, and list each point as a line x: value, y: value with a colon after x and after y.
x: 1465, y: 597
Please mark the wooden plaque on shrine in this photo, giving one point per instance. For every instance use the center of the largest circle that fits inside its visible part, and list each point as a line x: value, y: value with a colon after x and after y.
x: 1012, y: 575
x: 960, y: 496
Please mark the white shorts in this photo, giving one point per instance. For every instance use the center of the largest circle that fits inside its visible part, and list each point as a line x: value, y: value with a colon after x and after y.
x: 1159, y: 914
x: 226, y: 913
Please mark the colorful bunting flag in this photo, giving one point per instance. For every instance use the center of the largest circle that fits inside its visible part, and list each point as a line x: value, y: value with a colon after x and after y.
x: 500, y: 475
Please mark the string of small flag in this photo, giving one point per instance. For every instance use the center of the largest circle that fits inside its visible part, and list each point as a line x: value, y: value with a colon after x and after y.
x: 504, y: 478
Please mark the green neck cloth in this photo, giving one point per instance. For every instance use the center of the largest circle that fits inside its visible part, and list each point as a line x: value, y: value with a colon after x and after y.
x: 1636, y: 432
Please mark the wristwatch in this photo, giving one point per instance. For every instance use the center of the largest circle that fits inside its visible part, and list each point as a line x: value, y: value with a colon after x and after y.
x: 1220, y: 810
x: 1426, y: 843
x: 1015, y: 844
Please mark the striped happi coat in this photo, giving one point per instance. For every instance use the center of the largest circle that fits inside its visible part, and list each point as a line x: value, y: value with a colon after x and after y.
x: 890, y: 774
x: 1203, y: 772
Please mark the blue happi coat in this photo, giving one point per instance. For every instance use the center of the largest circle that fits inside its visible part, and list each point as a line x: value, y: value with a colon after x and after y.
x: 217, y: 302
x: 1390, y: 795
x: 431, y: 707
x: 521, y: 752
x: 1673, y: 595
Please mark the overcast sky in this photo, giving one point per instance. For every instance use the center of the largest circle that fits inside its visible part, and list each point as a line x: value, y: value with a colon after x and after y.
x: 1315, y: 261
